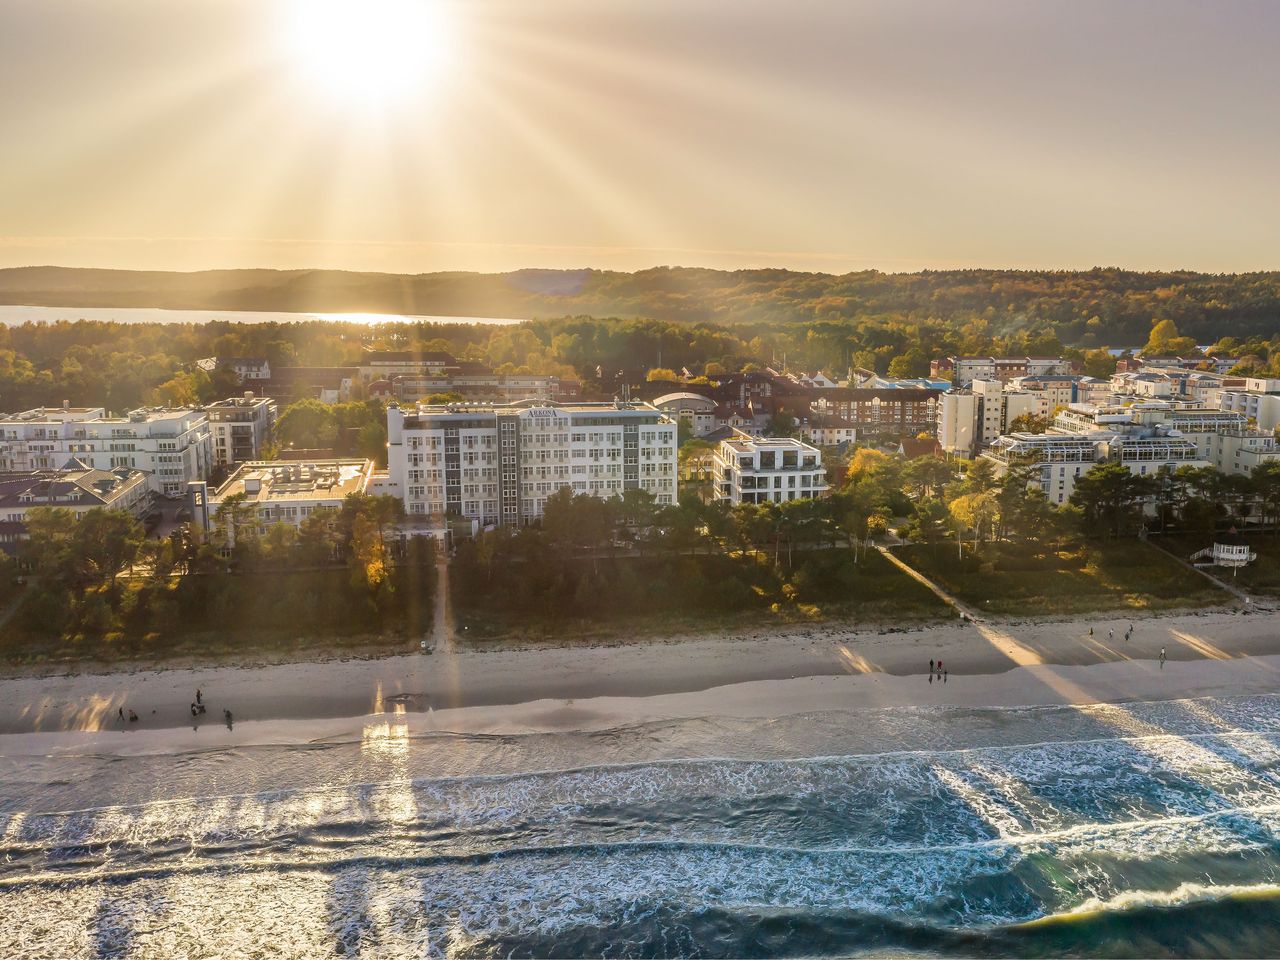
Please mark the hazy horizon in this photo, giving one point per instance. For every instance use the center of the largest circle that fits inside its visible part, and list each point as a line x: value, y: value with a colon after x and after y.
x: 832, y: 137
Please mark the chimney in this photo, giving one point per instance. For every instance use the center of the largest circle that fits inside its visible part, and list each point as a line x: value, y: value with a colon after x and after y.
x: 248, y: 396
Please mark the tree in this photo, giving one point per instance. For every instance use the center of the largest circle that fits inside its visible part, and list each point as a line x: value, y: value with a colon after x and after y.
x: 976, y: 512
x: 662, y: 375
x: 307, y: 425
x: 1030, y: 423
x: 1265, y: 482
x: 781, y: 424
x: 1111, y: 498
x: 912, y: 363
x: 1165, y: 341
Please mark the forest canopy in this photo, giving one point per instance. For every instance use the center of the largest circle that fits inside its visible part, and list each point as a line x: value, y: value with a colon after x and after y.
x: 607, y: 329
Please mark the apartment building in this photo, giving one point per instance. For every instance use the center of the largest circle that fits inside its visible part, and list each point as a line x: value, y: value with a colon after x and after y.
x: 240, y: 427
x: 973, y: 418
x: 1213, y: 364
x: 696, y: 412
x: 246, y: 368
x: 1258, y: 399
x: 172, y: 447
x: 1056, y: 390
x: 897, y: 411
x: 1144, y: 437
x: 75, y: 487
x: 964, y: 370
x: 749, y: 469
x: 278, y: 491
x: 498, y: 464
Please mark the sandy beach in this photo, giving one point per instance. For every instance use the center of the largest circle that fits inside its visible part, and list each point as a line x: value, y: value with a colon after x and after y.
x: 796, y: 670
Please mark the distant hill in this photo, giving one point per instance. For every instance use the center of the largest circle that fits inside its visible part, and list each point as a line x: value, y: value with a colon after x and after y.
x: 1101, y: 305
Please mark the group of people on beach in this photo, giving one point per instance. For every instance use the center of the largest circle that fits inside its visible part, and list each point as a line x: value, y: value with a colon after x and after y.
x: 197, y: 708
x: 1111, y: 633
x: 936, y: 669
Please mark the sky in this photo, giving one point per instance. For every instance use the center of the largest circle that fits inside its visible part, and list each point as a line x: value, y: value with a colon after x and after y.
x: 409, y: 136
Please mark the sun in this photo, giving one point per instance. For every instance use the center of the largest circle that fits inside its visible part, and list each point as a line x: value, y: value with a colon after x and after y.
x: 366, y: 52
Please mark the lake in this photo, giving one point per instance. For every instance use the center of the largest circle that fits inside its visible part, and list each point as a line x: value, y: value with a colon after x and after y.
x: 12, y: 316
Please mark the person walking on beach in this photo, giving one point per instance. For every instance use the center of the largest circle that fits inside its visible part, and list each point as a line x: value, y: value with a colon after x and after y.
x: 198, y: 699
x: 1110, y: 635
x: 1162, y: 658
x: 931, y: 666
x: 122, y: 713
x: 1091, y: 631
x: 944, y: 676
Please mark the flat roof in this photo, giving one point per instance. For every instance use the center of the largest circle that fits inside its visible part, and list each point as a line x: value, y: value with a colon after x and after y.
x: 280, y: 480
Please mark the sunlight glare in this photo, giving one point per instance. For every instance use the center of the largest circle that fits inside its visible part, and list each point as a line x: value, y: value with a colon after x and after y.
x: 364, y: 52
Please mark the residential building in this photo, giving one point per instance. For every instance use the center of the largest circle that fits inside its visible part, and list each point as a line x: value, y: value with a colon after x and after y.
x: 384, y: 364
x: 246, y: 368
x: 829, y: 431
x: 964, y: 370
x: 893, y: 411
x: 498, y: 463
x: 874, y: 381
x: 1062, y: 458
x: 1144, y: 437
x: 240, y: 427
x: 172, y: 446
x: 970, y: 419
x: 290, y: 384
x: 1054, y: 390
x: 278, y: 491
x: 695, y: 411
x: 75, y: 487
x: 1212, y: 364
x: 749, y: 469
x: 1258, y: 399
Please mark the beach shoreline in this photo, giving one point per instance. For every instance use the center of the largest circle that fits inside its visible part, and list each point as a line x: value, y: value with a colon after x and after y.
x: 992, y: 663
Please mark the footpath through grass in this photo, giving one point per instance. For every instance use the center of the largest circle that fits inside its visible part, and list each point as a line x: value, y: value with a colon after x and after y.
x: 1026, y: 580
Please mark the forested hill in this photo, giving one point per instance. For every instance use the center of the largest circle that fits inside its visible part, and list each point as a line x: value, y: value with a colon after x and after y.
x: 1102, y: 305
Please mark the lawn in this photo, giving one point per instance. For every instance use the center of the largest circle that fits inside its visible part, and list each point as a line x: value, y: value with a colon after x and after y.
x: 1261, y: 577
x: 1023, y: 580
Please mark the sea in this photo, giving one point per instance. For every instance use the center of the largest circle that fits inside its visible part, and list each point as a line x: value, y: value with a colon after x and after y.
x: 12, y: 316
x: 1126, y: 830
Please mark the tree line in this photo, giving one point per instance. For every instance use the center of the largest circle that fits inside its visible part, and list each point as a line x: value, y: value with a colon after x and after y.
x: 98, y: 580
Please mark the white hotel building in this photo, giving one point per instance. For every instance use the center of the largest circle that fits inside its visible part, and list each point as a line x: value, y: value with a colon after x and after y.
x: 748, y: 469
x: 1144, y: 437
x: 498, y: 463
x: 172, y: 447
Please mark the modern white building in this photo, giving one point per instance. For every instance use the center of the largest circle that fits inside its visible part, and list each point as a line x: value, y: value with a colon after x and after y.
x: 1144, y: 437
x: 240, y: 427
x: 173, y: 447
x: 749, y: 469
x: 1258, y: 399
x: 498, y: 463
x: 969, y: 420
x: 282, y: 491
